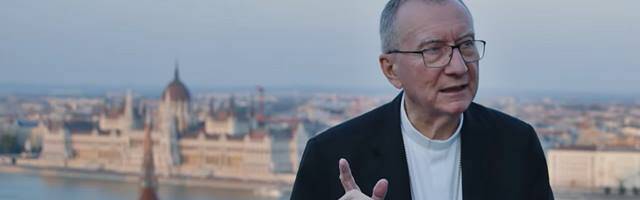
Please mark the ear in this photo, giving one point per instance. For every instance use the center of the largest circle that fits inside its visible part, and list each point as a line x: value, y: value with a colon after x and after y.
x: 389, y: 68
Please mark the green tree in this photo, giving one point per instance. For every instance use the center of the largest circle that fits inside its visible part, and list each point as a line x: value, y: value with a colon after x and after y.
x: 9, y: 144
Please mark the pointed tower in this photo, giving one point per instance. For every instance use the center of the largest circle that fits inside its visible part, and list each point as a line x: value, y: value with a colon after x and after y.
x: 176, y: 72
x: 176, y: 103
x: 148, y: 179
x: 260, y: 117
x: 128, y: 119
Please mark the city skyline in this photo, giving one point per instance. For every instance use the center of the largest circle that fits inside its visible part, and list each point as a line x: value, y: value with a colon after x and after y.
x: 47, y: 129
x: 235, y: 89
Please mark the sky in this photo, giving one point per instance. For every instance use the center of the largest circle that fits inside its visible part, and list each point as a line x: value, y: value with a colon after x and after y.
x: 568, y: 45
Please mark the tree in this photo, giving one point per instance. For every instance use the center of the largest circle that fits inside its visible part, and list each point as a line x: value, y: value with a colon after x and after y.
x: 9, y: 144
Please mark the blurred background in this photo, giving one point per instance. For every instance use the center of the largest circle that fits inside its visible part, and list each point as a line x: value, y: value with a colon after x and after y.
x: 199, y: 99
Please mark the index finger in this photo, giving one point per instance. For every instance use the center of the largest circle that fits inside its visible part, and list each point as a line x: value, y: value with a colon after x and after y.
x: 346, y: 178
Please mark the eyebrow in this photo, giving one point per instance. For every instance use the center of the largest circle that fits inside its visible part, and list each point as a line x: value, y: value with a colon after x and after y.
x: 465, y: 36
x: 427, y: 42
x: 431, y: 41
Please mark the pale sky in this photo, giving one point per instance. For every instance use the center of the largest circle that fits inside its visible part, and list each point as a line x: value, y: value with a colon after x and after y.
x: 573, y: 45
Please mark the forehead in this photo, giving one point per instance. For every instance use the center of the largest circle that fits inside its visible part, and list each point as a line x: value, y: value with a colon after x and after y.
x: 419, y: 21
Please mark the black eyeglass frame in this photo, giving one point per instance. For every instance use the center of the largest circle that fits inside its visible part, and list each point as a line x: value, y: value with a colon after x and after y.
x: 453, y: 47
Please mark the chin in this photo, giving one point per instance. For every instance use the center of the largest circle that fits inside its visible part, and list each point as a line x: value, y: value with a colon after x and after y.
x: 456, y: 107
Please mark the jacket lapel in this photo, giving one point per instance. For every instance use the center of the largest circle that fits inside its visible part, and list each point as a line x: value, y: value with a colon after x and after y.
x: 388, y: 147
x: 475, y: 152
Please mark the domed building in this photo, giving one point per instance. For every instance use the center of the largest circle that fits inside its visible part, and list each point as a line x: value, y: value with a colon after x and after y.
x: 174, y: 117
x: 222, y: 143
x: 175, y: 105
x: 176, y: 91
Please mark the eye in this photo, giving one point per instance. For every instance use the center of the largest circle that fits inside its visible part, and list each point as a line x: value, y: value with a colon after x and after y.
x: 433, y: 50
x: 467, y: 44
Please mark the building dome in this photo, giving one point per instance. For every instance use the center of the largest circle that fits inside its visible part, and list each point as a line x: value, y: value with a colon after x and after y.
x: 176, y: 90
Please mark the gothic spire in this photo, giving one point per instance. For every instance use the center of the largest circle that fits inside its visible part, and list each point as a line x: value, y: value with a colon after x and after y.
x: 148, y: 179
x: 176, y: 72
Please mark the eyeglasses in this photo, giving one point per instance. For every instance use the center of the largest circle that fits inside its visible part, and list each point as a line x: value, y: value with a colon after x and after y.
x: 438, y: 55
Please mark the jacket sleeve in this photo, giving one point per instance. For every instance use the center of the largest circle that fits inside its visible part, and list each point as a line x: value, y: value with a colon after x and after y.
x: 540, y: 188
x: 309, y: 179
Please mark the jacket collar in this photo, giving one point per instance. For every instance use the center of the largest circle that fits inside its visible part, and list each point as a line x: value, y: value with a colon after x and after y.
x: 388, y: 147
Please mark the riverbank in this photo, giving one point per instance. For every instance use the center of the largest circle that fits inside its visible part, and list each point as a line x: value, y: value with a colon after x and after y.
x: 16, y: 186
x: 244, y: 186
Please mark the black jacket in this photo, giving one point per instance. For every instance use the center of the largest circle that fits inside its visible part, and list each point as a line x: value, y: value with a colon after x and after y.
x: 501, y: 157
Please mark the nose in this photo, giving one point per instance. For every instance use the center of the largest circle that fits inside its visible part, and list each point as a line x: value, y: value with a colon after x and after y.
x: 457, y: 66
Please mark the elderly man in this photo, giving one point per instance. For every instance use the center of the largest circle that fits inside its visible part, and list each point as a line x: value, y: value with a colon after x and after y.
x: 431, y: 142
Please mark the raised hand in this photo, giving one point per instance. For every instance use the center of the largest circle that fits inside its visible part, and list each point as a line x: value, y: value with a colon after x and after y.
x: 352, y: 191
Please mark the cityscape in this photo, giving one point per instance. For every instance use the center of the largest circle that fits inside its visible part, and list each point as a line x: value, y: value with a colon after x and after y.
x: 251, y: 142
x: 247, y: 142
x: 215, y: 100
x: 591, y: 146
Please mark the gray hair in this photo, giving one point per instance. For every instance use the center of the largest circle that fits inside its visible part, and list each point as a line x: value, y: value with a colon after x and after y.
x: 388, y: 35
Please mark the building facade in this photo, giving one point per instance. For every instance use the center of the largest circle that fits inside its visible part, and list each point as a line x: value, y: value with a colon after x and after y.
x: 593, y: 168
x: 222, y: 144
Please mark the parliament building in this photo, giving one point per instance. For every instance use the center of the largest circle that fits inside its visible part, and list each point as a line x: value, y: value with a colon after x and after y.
x: 223, y: 142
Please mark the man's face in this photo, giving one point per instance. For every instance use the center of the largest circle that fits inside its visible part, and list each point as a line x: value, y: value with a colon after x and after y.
x: 446, y: 90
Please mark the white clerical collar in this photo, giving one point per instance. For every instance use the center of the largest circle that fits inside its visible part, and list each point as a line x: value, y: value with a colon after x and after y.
x: 410, y: 131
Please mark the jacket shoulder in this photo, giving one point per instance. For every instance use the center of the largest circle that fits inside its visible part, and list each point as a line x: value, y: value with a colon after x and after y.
x: 503, y: 128
x: 315, y: 178
x: 497, y: 118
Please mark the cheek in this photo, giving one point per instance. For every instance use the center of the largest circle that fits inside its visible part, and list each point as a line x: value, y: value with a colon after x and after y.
x: 406, y: 73
x: 474, y: 69
x: 475, y: 74
x: 427, y: 85
x: 474, y: 80
x: 418, y: 79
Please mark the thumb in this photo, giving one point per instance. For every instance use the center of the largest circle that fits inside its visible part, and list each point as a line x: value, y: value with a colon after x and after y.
x: 380, y: 189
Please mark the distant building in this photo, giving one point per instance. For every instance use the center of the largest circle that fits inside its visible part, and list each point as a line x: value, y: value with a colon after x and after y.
x: 591, y: 168
x: 227, y: 143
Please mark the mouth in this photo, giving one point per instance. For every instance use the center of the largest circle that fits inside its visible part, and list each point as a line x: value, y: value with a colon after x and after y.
x: 454, y: 89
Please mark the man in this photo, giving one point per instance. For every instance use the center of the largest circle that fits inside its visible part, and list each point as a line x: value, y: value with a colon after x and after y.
x: 431, y: 141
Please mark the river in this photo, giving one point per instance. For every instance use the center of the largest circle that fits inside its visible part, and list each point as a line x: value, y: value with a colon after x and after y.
x: 16, y: 186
